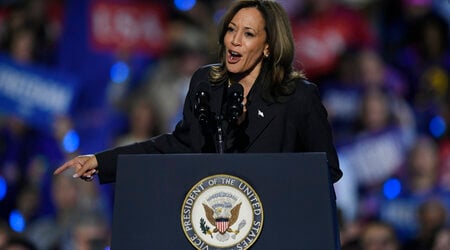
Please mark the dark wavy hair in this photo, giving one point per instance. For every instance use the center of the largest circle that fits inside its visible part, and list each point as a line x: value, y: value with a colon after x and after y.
x: 279, y: 65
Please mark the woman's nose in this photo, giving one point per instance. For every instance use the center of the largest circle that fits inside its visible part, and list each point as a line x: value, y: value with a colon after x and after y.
x: 236, y: 41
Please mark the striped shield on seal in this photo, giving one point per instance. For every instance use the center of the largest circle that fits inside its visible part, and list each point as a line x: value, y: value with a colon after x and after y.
x: 222, y: 225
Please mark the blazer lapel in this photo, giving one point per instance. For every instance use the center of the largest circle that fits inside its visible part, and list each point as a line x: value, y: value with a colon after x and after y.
x: 259, y: 114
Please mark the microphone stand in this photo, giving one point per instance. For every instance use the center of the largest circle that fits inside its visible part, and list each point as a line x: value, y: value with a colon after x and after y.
x: 232, y: 113
x: 220, y: 147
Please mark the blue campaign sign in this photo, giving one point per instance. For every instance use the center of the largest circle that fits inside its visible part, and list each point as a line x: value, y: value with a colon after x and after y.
x: 376, y: 156
x: 35, y: 94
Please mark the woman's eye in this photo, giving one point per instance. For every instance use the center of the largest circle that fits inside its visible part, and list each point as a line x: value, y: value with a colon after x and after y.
x: 249, y: 34
x: 230, y: 29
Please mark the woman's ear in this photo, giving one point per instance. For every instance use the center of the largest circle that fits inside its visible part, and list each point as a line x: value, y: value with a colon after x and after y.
x: 266, y: 51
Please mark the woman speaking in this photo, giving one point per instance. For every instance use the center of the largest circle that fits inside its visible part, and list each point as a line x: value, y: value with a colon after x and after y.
x: 252, y: 101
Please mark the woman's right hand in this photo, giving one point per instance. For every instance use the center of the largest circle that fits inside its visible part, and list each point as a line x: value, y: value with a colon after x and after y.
x: 85, y: 167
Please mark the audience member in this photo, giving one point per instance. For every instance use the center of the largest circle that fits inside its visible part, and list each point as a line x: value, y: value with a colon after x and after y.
x: 442, y: 239
x: 425, y: 62
x: 4, y: 233
x: 90, y: 232
x: 49, y: 232
x: 341, y: 96
x: 431, y: 216
x: 167, y: 87
x: 379, y: 236
x: 377, y: 150
x: 444, y: 159
x: 142, y: 120
x: 19, y: 243
x: 419, y: 185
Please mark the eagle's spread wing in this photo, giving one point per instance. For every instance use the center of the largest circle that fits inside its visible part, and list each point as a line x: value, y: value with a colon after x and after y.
x: 234, y: 214
x: 209, y: 214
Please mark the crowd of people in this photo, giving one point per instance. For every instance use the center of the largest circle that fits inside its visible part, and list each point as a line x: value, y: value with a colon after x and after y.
x: 383, y: 70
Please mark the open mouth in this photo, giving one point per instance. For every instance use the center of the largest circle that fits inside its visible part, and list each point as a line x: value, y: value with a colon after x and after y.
x: 233, y: 56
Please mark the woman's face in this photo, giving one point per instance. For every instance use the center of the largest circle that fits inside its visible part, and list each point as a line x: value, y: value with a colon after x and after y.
x: 245, y: 42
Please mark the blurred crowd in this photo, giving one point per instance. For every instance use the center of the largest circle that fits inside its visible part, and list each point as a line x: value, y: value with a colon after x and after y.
x: 383, y: 70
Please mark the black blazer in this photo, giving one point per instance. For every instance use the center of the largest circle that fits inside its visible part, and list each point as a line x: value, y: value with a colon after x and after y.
x: 298, y: 124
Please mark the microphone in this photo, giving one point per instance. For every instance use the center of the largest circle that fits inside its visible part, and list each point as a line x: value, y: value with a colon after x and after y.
x: 234, y: 99
x: 202, y: 108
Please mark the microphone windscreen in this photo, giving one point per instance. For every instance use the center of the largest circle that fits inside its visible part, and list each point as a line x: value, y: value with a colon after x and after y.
x: 236, y: 87
x: 202, y: 98
x: 203, y: 87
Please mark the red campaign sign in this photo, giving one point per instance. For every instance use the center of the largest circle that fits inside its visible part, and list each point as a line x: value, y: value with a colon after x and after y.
x: 128, y: 26
x: 317, y: 47
x: 320, y: 40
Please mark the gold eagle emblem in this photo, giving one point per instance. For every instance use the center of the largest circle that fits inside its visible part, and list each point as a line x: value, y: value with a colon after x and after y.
x: 222, y: 218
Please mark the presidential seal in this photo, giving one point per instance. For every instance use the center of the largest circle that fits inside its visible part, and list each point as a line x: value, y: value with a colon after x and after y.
x: 222, y: 212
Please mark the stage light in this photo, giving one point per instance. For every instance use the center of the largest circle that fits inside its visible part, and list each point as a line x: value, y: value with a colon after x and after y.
x: 3, y: 188
x: 437, y: 126
x: 392, y: 188
x: 16, y: 221
x: 71, y: 141
x: 184, y: 5
x: 119, y: 72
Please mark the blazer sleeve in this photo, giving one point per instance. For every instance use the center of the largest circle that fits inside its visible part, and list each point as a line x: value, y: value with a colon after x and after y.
x: 179, y: 141
x: 316, y: 130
